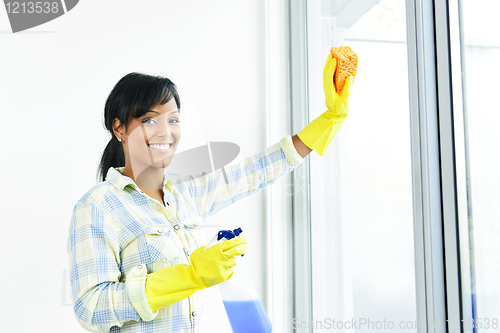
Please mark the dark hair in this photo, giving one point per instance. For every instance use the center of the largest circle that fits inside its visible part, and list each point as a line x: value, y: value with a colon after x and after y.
x: 130, y: 98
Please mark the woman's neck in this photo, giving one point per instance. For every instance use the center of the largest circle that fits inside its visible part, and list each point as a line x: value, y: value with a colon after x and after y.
x: 148, y: 179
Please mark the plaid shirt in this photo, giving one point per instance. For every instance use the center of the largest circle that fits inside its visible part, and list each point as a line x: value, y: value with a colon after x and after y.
x: 118, y: 234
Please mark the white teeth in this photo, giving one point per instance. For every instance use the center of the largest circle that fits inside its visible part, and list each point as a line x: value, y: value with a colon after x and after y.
x: 160, y: 146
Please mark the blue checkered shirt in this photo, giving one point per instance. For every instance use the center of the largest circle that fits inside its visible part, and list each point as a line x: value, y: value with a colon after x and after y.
x: 118, y: 234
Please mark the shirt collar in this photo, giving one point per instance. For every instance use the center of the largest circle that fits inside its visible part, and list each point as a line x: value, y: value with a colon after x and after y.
x: 115, y: 178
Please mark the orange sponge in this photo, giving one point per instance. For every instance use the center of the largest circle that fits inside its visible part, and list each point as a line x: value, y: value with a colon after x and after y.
x: 347, y: 63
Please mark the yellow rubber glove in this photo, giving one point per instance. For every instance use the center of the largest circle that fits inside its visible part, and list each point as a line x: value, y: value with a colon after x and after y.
x: 207, y: 267
x: 321, y: 131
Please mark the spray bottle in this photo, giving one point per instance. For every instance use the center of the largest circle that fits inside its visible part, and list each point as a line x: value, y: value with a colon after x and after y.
x: 243, y: 307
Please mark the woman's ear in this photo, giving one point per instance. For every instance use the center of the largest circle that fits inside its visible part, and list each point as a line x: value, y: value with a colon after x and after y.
x: 118, y: 129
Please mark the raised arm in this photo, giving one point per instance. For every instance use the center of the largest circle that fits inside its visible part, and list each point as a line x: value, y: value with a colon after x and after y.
x: 217, y: 190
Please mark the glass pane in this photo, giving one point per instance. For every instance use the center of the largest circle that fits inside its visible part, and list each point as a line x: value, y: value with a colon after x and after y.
x: 363, y: 216
x: 481, y: 54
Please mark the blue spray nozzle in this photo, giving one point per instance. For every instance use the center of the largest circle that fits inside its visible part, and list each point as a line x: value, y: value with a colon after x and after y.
x: 237, y: 232
x: 228, y: 234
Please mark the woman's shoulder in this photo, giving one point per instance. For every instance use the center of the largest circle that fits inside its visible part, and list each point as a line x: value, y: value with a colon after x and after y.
x: 96, y: 195
x: 90, y: 211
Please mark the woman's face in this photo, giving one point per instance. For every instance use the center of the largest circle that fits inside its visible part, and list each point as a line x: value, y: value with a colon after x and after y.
x: 152, y: 139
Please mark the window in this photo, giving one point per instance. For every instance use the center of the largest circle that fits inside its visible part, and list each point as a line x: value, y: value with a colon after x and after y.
x: 398, y: 220
x: 480, y: 232
x: 363, y: 265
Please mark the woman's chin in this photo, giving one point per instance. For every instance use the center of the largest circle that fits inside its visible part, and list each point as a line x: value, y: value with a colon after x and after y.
x: 164, y: 162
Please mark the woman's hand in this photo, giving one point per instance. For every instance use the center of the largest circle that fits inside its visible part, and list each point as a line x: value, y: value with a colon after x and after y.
x: 338, y: 105
x: 216, y: 264
x: 321, y: 131
x: 207, y: 267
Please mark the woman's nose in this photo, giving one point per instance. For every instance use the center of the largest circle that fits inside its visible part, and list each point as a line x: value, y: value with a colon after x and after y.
x: 163, y: 128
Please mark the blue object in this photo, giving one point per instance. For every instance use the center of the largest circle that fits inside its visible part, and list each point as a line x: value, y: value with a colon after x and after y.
x: 247, y: 317
x: 237, y: 232
x: 228, y: 234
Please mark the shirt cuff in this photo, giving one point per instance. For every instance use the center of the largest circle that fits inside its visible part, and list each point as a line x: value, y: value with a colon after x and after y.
x: 135, y: 284
x: 290, y: 152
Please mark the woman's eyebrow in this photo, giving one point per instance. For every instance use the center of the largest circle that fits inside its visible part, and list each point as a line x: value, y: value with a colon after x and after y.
x: 167, y: 112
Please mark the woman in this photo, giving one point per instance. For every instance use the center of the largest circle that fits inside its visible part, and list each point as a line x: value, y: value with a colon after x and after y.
x: 137, y: 256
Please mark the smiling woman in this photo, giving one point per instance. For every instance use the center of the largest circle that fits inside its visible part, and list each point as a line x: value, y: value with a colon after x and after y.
x: 136, y: 260
x: 149, y: 144
x: 137, y: 256
x: 128, y: 118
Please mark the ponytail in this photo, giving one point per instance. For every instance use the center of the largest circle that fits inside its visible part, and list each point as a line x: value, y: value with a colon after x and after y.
x: 113, y: 156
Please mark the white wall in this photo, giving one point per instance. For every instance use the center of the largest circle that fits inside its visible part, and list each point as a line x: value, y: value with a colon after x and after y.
x: 54, y: 80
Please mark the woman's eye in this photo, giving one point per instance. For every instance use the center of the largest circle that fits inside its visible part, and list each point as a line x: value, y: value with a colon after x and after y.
x: 147, y: 120
x: 152, y: 120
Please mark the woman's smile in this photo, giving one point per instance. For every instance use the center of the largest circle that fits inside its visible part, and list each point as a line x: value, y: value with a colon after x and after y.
x: 164, y: 148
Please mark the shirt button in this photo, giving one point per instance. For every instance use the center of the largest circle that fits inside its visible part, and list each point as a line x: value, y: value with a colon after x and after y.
x: 176, y: 227
x: 195, y: 224
x: 160, y: 231
x: 139, y: 266
x: 168, y: 203
x: 187, y: 253
x: 193, y: 313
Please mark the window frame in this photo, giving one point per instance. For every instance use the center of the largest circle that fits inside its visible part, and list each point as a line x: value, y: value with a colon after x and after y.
x: 301, y: 210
